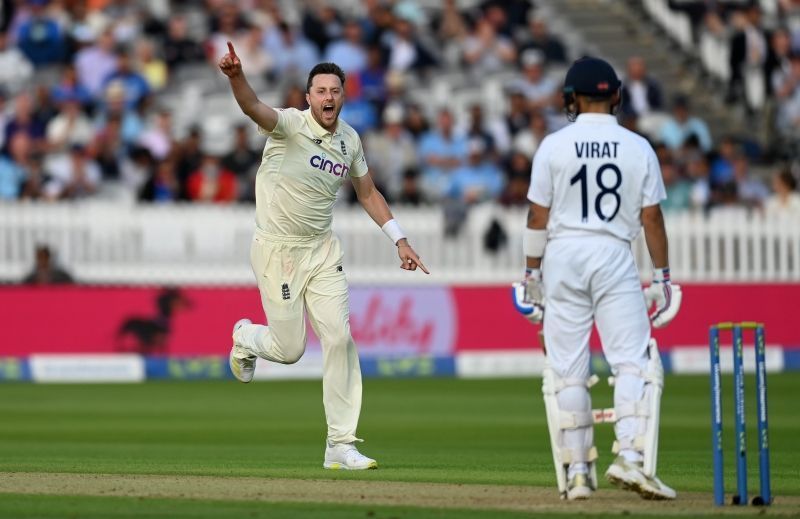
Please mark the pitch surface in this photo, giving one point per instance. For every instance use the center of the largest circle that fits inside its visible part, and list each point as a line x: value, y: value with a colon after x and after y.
x: 446, y: 448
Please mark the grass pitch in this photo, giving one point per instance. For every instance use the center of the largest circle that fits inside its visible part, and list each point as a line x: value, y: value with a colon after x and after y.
x: 446, y: 448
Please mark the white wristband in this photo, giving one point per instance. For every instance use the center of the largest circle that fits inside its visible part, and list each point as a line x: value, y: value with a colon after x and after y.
x: 661, y: 275
x: 393, y: 231
x: 533, y: 242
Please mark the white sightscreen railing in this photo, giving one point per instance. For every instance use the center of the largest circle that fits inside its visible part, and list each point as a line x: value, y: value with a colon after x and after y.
x: 104, y: 243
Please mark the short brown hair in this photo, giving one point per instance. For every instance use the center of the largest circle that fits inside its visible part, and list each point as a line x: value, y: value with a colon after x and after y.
x: 325, y: 68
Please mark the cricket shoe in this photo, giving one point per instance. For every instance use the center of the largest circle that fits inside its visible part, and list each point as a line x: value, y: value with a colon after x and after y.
x: 345, y: 456
x: 578, y: 487
x: 630, y: 476
x: 242, y: 363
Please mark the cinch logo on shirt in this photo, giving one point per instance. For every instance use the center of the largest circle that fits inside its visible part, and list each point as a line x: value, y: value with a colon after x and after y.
x: 335, y: 168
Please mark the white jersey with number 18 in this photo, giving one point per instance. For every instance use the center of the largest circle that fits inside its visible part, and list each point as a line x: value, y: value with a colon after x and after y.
x: 595, y: 176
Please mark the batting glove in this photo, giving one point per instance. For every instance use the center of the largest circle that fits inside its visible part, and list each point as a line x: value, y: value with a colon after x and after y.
x: 664, y: 297
x: 528, y: 296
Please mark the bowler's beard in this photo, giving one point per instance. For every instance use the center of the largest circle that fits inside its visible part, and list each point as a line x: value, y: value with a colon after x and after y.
x: 319, y: 117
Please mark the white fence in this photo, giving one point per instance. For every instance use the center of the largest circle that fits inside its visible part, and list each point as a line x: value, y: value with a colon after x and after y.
x: 103, y: 243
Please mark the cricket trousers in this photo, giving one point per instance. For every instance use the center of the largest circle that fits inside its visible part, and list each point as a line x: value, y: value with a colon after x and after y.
x: 593, y: 280
x: 298, y: 275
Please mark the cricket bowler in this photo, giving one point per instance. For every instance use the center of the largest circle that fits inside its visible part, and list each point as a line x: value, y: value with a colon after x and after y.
x: 296, y: 258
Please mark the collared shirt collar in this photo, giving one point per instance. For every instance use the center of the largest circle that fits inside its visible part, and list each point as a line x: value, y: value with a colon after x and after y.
x: 597, y: 118
x: 317, y: 129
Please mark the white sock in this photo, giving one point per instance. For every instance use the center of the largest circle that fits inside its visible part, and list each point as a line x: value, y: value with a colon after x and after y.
x: 577, y: 468
x: 631, y: 456
x: 256, y: 340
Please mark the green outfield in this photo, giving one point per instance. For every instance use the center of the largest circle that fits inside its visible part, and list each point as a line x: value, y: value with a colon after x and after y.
x: 446, y: 448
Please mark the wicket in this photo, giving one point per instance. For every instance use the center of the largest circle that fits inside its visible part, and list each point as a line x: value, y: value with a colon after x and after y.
x: 740, y: 424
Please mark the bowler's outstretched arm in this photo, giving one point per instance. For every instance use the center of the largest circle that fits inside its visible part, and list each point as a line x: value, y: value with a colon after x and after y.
x: 263, y: 115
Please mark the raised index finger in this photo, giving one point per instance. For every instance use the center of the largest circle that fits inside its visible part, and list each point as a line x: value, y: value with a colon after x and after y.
x: 230, y: 50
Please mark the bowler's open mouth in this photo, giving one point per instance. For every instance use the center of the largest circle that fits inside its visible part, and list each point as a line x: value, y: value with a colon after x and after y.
x: 327, y: 109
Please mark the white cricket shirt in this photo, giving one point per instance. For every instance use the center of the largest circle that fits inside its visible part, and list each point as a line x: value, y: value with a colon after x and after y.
x: 302, y: 168
x: 595, y: 176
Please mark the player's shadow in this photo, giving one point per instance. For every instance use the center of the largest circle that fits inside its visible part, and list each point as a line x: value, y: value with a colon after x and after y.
x: 148, y: 335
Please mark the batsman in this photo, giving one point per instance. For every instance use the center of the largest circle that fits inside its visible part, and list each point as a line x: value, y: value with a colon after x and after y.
x: 594, y: 185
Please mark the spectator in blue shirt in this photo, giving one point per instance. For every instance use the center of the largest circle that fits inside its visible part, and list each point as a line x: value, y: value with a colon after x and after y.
x: 722, y: 166
x: 294, y: 55
x: 69, y: 88
x: 358, y: 112
x: 751, y: 190
x: 136, y: 86
x: 681, y: 126
x: 40, y: 37
x: 479, y: 180
x: 115, y: 106
x: 679, y: 189
x: 13, y: 166
x: 349, y: 52
x: 163, y: 185
x: 373, y: 77
x: 441, y: 152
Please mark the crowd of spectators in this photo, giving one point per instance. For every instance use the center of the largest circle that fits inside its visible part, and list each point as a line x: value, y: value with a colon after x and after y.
x: 763, y: 61
x: 82, y: 84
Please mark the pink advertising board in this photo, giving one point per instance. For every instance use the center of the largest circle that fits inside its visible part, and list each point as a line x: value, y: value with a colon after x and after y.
x: 385, y: 321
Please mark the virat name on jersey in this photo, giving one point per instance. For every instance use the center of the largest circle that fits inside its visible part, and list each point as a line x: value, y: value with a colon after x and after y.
x: 596, y: 150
